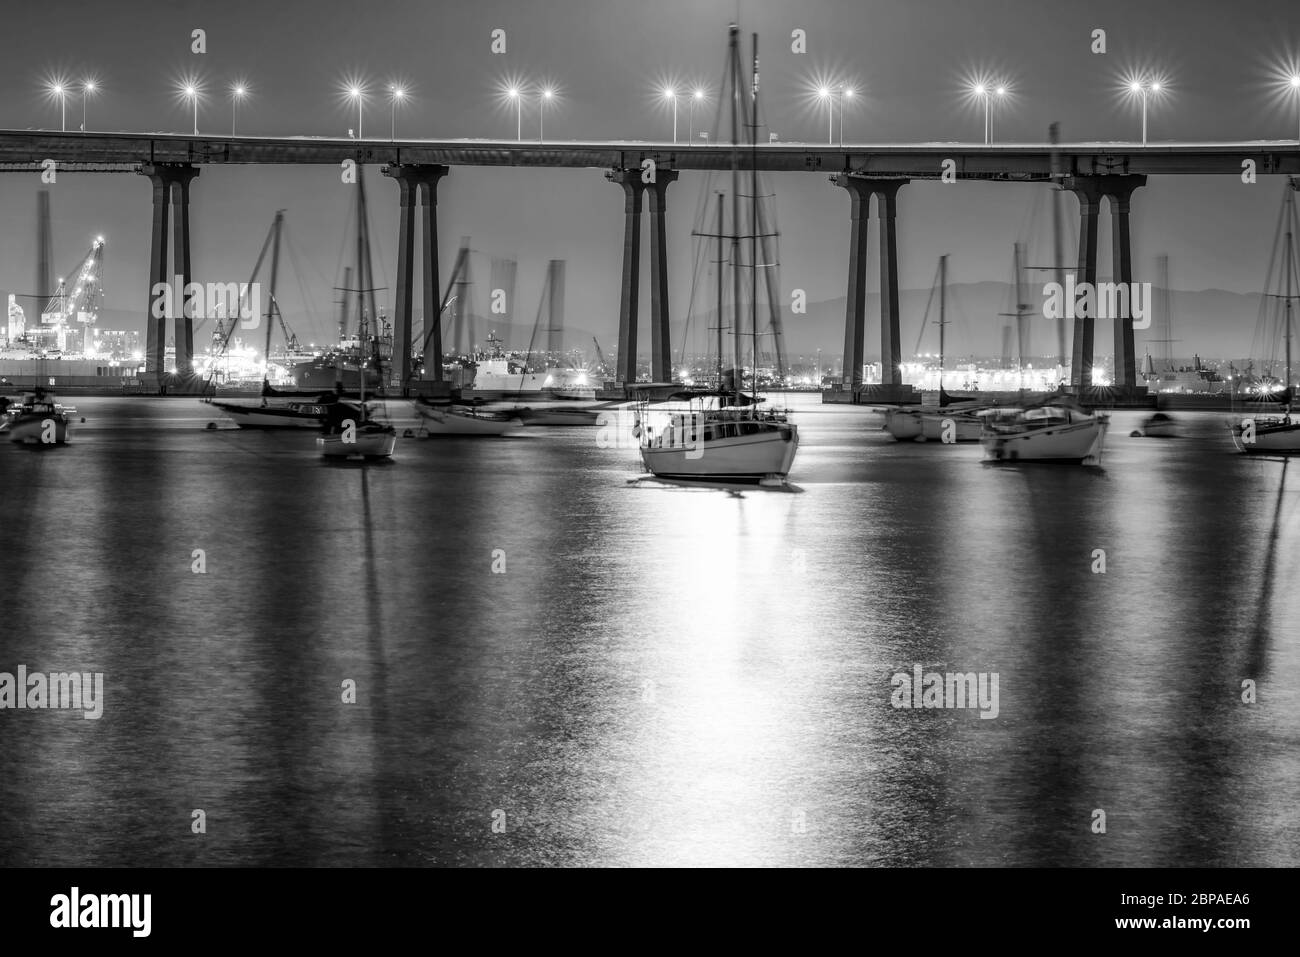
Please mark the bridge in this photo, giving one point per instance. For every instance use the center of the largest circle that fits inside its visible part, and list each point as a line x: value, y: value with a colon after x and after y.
x: 1092, y: 171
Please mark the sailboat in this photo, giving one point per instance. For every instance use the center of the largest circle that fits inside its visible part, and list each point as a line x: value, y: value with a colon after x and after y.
x: 348, y: 430
x: 1277, y: 434
x: 276, y: 410
x: 723, y: 435
x: 942, y: 424
x: 1056, y: 430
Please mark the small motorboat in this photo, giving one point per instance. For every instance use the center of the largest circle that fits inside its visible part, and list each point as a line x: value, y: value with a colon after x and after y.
x: 1160, y: 426
x: 37, y: 420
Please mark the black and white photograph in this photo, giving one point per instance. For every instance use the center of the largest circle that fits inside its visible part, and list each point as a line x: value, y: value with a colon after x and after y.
x: 700, y: 434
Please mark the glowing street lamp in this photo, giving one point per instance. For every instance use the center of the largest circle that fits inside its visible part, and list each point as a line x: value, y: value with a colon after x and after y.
x: 825, y: 94
x: 547, y: 95
x: 843, y: 91
x: 515, y: 95
x: 356, y: 93
x: 237, y: 93
x: 87, y: 88
x: 1295, y: 85
x: 671, y: 94
x: 398, y: 94
x: 1143, y: 89
x: 696, y: 97
x: 191, y: 92
x: 59, y: 90
x: 986, y: 93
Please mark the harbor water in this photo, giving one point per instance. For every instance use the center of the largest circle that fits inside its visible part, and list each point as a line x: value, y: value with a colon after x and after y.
x: 505, y: 652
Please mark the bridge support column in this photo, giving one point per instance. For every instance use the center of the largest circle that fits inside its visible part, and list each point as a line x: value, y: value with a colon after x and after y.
x: 171, y: 186
x: 1120, y: 189
x: 861, y: 190
x: 417, y: 181
x: 630, y: 180
x: 855, y: 308
x: 1081, y: 357
x: 1091, y: 190
x: 661, y: 362
x: 891, y: 354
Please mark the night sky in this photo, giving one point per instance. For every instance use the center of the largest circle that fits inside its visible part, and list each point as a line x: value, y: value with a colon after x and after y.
x: 911, y: 61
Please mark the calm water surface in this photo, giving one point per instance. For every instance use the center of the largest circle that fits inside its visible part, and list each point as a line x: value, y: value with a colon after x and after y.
x: 660, y: 676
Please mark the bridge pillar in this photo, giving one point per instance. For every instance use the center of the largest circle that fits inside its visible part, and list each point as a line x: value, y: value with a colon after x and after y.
x: 1091, y: 190
x: 171, y: 186
x: 1088, y: 189
x: 1120, y: 189
x: 417, y: 186
x: 661, y: 362
x: 860, y: 191
x: 630, y: 180
x: 855, y: 308
x: 891, y: 355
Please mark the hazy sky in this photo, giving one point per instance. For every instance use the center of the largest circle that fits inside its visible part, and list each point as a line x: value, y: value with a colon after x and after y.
x: 910, y: 60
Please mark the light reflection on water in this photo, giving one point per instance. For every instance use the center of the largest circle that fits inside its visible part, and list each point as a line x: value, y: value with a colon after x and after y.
x: 661, y: 675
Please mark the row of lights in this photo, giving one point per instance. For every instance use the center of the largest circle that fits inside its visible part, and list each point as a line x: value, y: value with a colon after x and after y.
x: 1143, y: 88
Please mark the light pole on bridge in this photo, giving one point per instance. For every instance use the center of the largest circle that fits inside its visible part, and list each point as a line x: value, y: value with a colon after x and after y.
x: 398, y: 94
x: 546, y: 96
x: 237, y: 93
x: 87, y: 88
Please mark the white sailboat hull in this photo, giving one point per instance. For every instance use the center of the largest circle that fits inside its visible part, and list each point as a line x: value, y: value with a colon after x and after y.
x: 267, y: 417
x: 744, y: 458
x: 453, y: 422
x: 1073, y: 442
x: 1274, y: 439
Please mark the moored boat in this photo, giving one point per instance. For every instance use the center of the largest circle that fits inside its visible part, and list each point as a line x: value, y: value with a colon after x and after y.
x: 725, y: 443
x: 38, y: 420
x: 446, y: 418
x: 1058, y: 430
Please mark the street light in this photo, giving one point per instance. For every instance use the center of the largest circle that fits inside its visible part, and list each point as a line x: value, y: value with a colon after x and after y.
x: 398, y: 94
x: 825, y: 94
x: 1143, y: 89
x: 192, y: 92
x: 671, y: 94
x: 844, y: 91
x: 59, y: 90
x: 1295, y: 85
x: 696, y: 97
x: 513, y: 93
x: 356, y: 93
x: 545, y: 98
x: 87, y: 87
x: 986, y: 93
x: 237, y: 93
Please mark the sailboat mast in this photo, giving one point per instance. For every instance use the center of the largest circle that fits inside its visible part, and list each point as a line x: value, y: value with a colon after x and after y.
x: 943, y: 319
x: 270, y: 300
x: 1287, y: 300
x: 721, y: 221
x: 362, y: 286
x: 733, y: 60
x: 753, y: 220
x: 1020, y: 315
